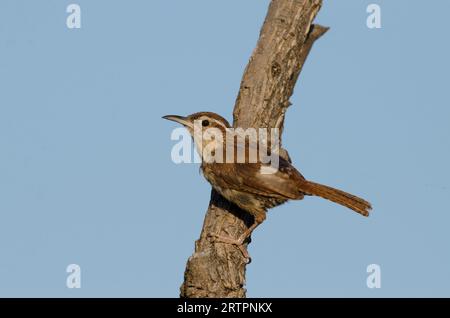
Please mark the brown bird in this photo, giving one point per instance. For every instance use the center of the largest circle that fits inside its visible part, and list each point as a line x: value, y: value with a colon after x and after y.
x: 253, y: 186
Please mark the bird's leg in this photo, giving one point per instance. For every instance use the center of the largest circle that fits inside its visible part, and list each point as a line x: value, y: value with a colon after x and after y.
x: 239, y: 242
x: 241, y: 239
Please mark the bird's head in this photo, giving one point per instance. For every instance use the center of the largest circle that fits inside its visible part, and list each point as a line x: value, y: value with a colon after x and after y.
x: 207, y: 129
x: 205, y: 120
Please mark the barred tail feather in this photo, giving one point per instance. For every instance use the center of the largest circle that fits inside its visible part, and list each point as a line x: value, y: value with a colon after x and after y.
x: 340, y: 197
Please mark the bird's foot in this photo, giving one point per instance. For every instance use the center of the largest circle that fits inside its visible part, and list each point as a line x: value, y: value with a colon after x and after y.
x: 239, y: 243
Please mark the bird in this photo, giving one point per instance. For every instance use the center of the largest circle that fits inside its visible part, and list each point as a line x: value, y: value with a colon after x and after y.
x: 253, y: 185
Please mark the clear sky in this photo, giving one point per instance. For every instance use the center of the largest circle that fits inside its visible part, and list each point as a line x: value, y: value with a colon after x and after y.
x: 86, y: 175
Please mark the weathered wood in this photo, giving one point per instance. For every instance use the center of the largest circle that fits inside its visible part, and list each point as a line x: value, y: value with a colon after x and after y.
x: 286, y: 38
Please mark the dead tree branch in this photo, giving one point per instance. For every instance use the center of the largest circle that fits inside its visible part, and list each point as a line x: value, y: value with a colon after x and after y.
x: 286, y: 38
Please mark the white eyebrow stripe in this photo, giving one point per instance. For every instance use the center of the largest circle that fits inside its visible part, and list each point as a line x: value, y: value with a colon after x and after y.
x: 214, y: 120
x: 219, y: 122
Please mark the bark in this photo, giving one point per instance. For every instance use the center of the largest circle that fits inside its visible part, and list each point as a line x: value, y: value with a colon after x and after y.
x: 218, y: 269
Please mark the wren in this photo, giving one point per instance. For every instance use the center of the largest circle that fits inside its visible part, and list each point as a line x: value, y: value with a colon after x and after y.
x: 254, y: 186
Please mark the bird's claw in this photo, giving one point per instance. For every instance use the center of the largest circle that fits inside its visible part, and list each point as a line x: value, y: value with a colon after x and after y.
x: 239, y: 243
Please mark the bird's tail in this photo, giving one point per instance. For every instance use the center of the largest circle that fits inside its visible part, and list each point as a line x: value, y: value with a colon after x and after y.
x: 340, y: 197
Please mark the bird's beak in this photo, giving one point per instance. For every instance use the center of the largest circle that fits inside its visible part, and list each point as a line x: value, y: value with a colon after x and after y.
x: 179, y: 119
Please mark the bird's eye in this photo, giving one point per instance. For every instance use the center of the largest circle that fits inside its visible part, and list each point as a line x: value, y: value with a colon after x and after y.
x: 205, y: 123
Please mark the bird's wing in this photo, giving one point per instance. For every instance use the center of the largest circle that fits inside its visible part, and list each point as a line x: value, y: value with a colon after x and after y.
x: 260, y: 179
x: 281, y: 181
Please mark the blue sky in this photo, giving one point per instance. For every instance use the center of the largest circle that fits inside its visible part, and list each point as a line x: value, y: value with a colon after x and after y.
x: 86, y: 175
